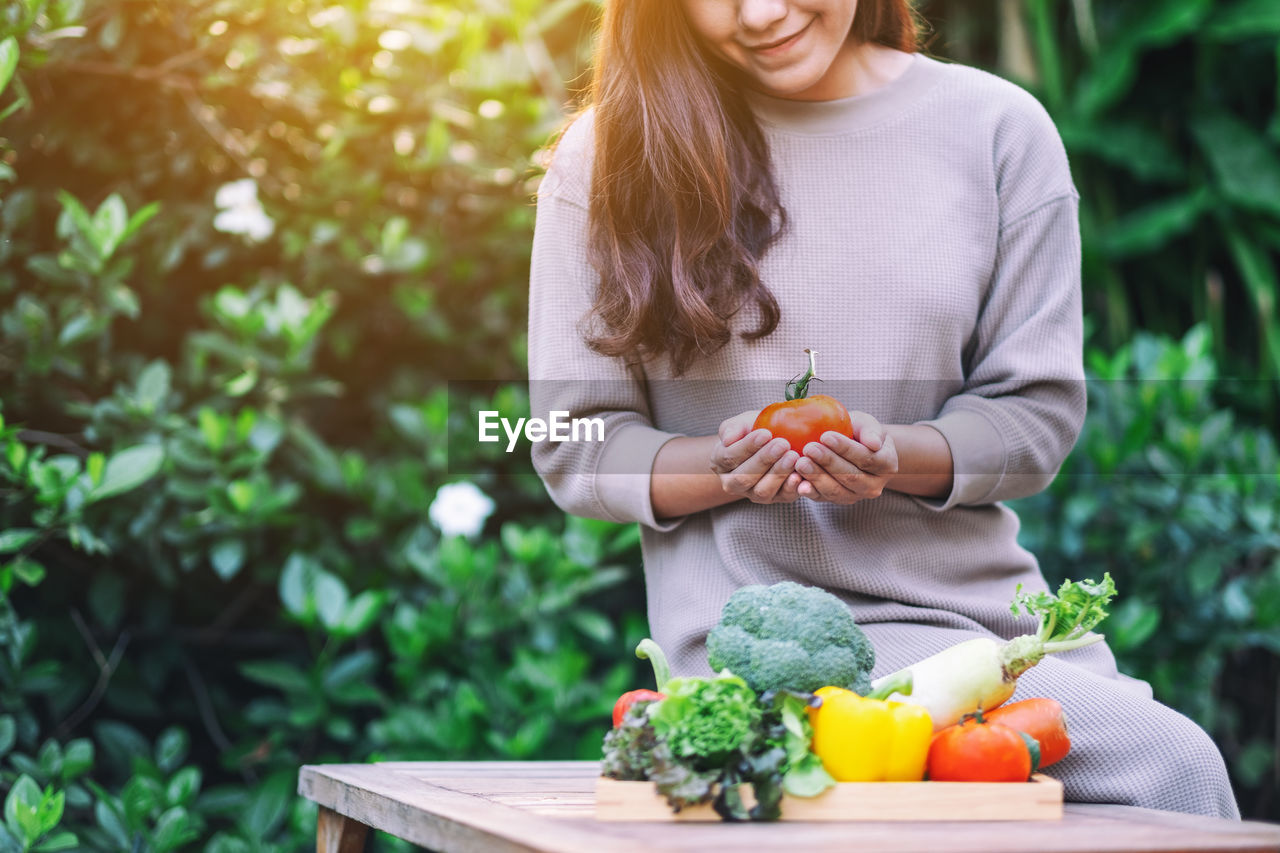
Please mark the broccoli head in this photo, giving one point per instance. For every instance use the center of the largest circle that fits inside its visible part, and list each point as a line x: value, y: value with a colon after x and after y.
x: 791, y: 636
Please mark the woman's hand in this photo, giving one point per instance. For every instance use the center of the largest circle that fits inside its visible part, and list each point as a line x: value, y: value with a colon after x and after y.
x: 752, y: 465
x: 845, y: 470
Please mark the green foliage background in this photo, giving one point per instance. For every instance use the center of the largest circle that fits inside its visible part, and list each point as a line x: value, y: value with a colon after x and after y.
x: 218, y: 453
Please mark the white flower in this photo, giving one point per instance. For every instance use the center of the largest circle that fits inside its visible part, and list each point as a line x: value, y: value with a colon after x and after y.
x: 237, y: 193
x: 460, y: 508
x: 240, y: 212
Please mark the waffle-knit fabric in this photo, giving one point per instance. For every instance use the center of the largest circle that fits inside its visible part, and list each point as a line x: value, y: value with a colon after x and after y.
x: 932, y: 258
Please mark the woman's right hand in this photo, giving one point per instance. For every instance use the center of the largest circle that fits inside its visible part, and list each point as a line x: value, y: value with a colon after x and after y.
x: 754, y: 465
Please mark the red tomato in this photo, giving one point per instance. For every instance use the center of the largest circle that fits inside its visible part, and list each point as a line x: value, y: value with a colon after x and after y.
x: 800, y: 418
x: 1043, y: 720
x: 805, y: 420
x: 974, y: 750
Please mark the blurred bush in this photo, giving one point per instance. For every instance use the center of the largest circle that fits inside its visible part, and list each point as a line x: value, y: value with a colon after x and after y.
x: 242, y: 248
x: 1170, y: 112
x: 1169, y: 492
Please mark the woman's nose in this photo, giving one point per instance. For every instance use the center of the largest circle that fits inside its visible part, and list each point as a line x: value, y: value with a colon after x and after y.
x: 760, y: 15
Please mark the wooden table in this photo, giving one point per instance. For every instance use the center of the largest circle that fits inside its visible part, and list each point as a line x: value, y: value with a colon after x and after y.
x: 547, y: 806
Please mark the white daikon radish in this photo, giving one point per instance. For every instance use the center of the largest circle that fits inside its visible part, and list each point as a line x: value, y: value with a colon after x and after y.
x: 980, y: 673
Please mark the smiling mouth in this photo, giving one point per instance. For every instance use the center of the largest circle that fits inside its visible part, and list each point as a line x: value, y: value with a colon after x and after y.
x: 782, y: 41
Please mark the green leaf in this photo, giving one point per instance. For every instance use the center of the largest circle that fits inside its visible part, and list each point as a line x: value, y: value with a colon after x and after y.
x: 18, y: 104
x: 50, y: 759
x: 279, y: 674
x: 1263, y: 284
x: 268, y: 805
x: 109, y: 222
x: 16, y: 538
x: 242, y: 384
x: 357, y: 665
x: 77, y: 759
x: 127, y: 470
x: 77, y: 329
x: 110, y: 822
x: 153, y: 386
x: 95, y: 466
x: 21, y: 809
x: 1132, y: 624
x: 1127, y: 144
x: 362, y: 611
x: 1246, y: 167
x: 8, y: 733
x: 58, y: 842
x: 28, y: 571
x: 173, y: 829
x: 139, y: 219
x: 121, y: 298
x: 242, y: 494
x: 184, y: 786
x: 593, y: 625
x: 1155, y: 225
x: 171, y: 748
x: 120, y: 742
x: 1243, y: 19
x: 49, y: 815
x: 213, y: 427
x: 1167, y: 21
x: 331, y: 598
x: 228, y: 557
x: 296, y: 582
x: 393, y: 234
x: 9, y: 53
x: 75, y: 219
x: 1107, y: 81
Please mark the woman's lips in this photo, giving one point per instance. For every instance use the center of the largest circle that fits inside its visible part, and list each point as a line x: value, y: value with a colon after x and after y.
x: 781, y: 46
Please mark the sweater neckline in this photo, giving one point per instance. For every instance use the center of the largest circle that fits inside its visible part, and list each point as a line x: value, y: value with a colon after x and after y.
x: 843, y: 115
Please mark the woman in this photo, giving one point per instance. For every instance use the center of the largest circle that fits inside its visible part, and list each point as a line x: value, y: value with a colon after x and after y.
x: 758, y: 177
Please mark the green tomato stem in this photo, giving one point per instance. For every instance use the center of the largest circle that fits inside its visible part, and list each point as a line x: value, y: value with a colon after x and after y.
x: 798, y: 389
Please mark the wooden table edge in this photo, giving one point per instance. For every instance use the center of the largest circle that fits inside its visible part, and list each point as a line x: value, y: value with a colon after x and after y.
x: 461, y: 819
x: 350, y: 791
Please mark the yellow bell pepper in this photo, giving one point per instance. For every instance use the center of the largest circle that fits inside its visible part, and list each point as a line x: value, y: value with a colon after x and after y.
x: 866, y: 739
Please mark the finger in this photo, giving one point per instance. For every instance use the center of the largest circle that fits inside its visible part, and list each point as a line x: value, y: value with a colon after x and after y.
x: 829, y: 485
x: 741, y: 477
x: 887, y: 458
x: 728, y: 457
x: 805, y: 489
x: 882, y: 463
x: 867, y: 430
x: 770, y: 484
x: 789, y: 492
x: 734, y: 428
x: 835, y: 448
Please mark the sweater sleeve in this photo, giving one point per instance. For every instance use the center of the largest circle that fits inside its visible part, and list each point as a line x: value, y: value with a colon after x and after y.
x: 607, y: 479
x: 1023, y: 401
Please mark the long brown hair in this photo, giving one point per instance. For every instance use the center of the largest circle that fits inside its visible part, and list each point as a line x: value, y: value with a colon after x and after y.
x: 683, y: 201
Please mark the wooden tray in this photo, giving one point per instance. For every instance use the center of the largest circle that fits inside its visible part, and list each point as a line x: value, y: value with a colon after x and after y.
x: 1039, y: 799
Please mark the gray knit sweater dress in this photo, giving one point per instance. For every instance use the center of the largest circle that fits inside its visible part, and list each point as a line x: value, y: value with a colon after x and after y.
x: 932, y: 258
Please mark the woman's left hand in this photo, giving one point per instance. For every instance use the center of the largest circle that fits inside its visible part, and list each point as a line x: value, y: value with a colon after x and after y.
x: 845, y: 470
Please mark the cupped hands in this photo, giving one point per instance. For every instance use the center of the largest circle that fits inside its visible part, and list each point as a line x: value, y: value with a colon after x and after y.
x: 762, y: 468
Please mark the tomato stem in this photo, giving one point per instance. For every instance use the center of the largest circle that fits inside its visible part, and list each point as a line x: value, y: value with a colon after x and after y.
x: 798, y: 389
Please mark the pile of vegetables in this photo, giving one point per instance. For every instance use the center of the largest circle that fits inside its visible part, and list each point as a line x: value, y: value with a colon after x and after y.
x: 792, y: 710
x: 699, y: 739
